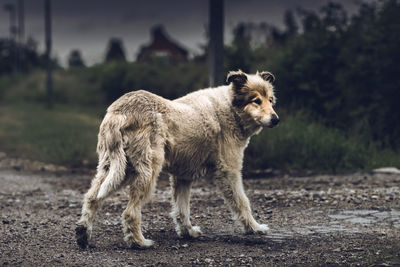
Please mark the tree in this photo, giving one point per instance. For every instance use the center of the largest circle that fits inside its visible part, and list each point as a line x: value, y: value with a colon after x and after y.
x: 290, y: 23
x: 239, y: 55
x: 115, y: 50
x: 75, y: 59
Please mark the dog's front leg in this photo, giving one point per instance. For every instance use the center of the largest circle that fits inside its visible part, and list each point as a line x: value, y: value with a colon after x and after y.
x: 181, y: 208
x: 231, y: 185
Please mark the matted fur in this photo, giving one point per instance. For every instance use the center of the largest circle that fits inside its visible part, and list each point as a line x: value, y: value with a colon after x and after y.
x: 203, y: 134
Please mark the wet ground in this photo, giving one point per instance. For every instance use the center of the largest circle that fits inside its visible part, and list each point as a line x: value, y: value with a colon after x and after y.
x: 317, y: 220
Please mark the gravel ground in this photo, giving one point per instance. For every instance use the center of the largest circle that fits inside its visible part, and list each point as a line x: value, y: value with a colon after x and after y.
x: 315, y: 220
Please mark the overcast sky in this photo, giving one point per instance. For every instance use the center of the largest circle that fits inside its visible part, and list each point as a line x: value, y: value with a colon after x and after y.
x: 88, y: 24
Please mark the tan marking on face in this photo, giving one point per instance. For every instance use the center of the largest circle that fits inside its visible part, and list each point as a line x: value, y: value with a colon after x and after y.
x: 259, y: 100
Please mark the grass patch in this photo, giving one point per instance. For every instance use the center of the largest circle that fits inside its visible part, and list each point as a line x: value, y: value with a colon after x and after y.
x: 62, y: 135
x: 300, y: 144
x: 67, y: 136
x: 69, y: 87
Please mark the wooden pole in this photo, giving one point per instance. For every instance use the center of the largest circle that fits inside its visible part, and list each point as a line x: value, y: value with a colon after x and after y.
x: 49, y: 82
x: 13, y: 26
x: 21, y: 33
x: 21, y: 21
x: 216, y: 45
x: 13, y: 34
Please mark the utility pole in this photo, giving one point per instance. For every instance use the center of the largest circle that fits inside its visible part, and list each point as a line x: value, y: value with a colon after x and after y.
x: 13, y: 33
x: 13, y: 26
x: 20, y: 56
x: 216, y: 45
x: 47, y: 22
x: 21, y: 22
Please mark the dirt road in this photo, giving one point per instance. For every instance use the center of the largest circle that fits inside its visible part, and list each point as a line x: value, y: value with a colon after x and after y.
x: 318, y: 220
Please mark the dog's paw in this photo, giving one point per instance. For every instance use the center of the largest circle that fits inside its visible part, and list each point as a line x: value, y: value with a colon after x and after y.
x: 260, y: 229
x: 142, y: 244
x: 81, y: 236
x: 195, y: 232
x: 147, y: 243
x: 189, y: 232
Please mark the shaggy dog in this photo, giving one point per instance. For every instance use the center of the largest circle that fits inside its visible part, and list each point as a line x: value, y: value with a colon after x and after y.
x: 203, y: 134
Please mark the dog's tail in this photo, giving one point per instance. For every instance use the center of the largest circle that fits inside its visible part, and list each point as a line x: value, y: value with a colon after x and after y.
x: 110, y: 146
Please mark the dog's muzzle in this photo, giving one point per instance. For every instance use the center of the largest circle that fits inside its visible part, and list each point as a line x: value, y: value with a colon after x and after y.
x: 274, y: 121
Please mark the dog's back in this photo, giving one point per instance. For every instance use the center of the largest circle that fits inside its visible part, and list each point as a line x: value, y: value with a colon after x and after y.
x: 190, y: 127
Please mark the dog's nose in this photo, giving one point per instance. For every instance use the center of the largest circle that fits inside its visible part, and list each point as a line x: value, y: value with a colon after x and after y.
x: 274, y: 120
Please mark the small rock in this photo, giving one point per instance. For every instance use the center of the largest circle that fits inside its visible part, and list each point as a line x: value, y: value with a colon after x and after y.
x: 315, y: 196
x: 389, y: 198
x: 268, y: 198
x: 17, y: 167
x: 6, y: 221
x: 185, y: 245
x: 390, y: 170
x: 208, y: 260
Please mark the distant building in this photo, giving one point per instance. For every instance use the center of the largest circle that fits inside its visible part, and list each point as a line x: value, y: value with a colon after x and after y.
x: 162, y: 46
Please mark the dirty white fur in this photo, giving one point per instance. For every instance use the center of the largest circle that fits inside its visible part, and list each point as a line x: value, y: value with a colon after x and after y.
x: 202, y: 134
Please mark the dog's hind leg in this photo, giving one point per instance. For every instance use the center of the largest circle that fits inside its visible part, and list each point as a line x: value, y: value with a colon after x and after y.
x: 231, y: 185
x: 146, y: 170
x: 92, y: 201
x: 90, y: 205
x: 181, y: 208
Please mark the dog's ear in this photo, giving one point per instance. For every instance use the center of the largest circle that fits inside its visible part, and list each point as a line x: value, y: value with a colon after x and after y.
x: 267, y: 76
x: 238, y: 78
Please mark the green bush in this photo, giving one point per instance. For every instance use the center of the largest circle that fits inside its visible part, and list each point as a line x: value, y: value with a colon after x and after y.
x: 117, y: 78
x: 74, y: 87
x: 344, y: 73
x: 63, y: 135
x: 298, y: 143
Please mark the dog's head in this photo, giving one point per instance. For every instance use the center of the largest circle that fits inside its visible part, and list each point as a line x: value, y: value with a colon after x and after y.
x: 254, y: 94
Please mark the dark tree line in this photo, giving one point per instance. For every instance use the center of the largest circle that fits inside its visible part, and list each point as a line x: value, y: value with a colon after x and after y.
x: 345, y: 72
x: 340, y: 71
x: 25, y: 57
x: 17, y: 57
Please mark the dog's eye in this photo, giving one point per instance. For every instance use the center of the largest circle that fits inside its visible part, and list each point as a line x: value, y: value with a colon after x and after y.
x: 257, y: 101
x: 271, y: 100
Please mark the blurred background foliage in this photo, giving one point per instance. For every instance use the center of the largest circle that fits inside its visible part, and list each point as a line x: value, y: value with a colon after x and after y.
x: 338, y: 87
